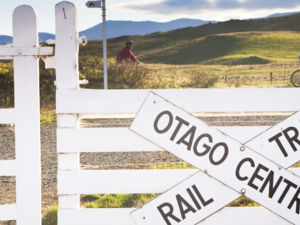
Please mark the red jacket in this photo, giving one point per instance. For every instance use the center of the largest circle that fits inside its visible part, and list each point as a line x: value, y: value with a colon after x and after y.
x: 126, y: 55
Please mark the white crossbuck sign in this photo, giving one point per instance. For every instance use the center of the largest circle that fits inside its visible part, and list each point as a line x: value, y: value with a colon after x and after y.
x: 228, y: 169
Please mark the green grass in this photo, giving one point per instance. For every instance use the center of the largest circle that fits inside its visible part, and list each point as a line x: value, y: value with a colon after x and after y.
x: 50, y: 216
x: 119, y: 201
x: 178, y: 165
x: 137, y: 200
x: 243, y: 202
x: 267, y: 46
x: 272, y: 46
x: 297, y: 165
x: 48, y: 115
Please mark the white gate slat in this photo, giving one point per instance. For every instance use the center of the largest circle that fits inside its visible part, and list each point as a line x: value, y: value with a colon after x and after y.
x: 8, y: 212
x: 192, y: 100
x: 102, y: 140
x: 123, y: 140
x: 120, y: 181
x: 196, y: 114
x: 123, y: 181
x: 117, y: 216
x: 29, y: 51
x: 67, y: 77
x: 245, y: 216
x: 27, y: 124
x: 7, y: 168
x: 66, y: 46
x: 95, y: 216
x: 7, y: 116
x: 295, y: 171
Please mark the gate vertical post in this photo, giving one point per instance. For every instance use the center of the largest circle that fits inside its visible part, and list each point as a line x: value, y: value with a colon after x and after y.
x: 27, y: 119
x: 67, y: 77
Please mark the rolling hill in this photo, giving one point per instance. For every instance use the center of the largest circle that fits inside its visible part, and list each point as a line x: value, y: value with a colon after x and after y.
x: 236, y: 41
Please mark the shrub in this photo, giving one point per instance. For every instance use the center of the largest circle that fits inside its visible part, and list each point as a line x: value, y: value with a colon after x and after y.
x: 50, y: 216
x: 127, y: 75
x: 120, y: 201
x: 6, y: 85
x: 243, y: 202
x: 90, y: 198
x: 201, y: 79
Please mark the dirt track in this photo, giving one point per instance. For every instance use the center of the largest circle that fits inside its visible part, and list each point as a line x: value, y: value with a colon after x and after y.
x: 100, y: 160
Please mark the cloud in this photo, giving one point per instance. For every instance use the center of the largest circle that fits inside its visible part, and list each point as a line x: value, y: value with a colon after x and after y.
x: 173, y: 6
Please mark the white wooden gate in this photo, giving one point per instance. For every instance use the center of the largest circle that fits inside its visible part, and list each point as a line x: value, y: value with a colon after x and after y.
x: 26, y: 117
x: 74, y: 104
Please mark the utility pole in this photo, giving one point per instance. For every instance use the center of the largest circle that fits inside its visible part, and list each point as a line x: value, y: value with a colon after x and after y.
x: 101, y: 4
x: 104, y: 44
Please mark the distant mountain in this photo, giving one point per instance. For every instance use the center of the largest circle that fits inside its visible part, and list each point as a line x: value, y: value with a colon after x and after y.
x: 45, y: 36
x: 124, y: 28
x: 4, y: 39
x: 281, y: 14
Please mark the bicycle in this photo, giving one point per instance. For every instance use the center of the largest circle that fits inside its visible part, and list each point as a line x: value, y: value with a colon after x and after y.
x: 295, y: 77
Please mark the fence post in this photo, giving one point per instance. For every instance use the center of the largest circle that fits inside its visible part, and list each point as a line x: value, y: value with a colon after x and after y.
x: 271, y: 77
x: 67, y: 77
x: 27, y: 119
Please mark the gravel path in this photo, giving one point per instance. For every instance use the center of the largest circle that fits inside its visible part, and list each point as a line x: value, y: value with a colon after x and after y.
x: 100, y: 160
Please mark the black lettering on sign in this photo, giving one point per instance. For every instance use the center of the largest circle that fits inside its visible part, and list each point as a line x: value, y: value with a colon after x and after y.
x: 270, y: 180
x: 169, y: 115
x: 204, y: 202
x: 169, y: 214
x: 238, y: 168
x: 266, y: 176
x: 180, y: 123
x: 289, y: 184
x: 205, y: 146
x: 182, y: 203
x: 296, y: 200
x: 190, y: 133
x: 213, y: 150
x: 291, y: 135
x: 185, y: 205
x: 255, y: 175
x: 218, y: 152
x: 278, y: 142
x: 193, y: 198
x: 292, y: 139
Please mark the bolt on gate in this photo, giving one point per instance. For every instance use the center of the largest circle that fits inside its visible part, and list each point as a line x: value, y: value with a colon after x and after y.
x: 25, y: 116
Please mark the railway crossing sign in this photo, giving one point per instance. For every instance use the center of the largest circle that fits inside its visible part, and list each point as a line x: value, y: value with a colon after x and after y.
x: 280, y: 143
x: 196, y: 197
x: 260, y: 176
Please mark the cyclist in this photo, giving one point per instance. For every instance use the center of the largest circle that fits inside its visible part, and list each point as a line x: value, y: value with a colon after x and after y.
x: 126, y: 54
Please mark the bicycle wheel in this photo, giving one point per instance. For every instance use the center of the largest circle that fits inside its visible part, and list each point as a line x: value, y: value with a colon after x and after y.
x: 295, y: 78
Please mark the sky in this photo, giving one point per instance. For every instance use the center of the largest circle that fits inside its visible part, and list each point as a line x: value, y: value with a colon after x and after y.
x: 155, y: 10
